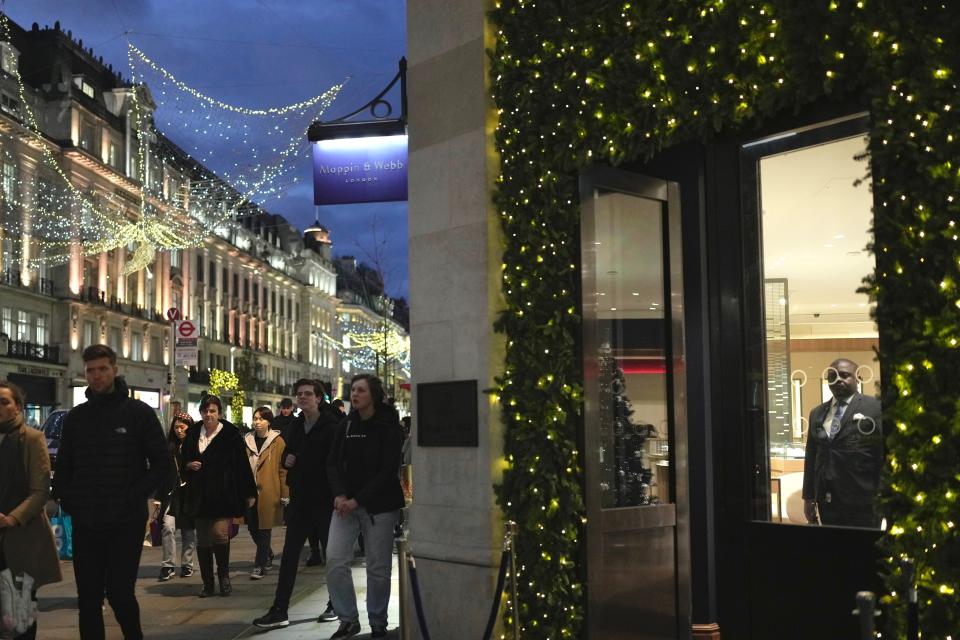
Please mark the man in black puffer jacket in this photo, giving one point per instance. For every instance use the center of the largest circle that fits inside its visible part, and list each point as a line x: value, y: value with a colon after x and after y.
x: 112, y: 456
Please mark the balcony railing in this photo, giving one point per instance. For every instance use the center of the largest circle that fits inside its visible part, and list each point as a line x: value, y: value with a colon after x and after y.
x: 33, y: 351
x: 11, y: 278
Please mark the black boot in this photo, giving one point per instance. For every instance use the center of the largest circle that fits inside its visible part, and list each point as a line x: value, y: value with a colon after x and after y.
x: 222, y: 552
x: 205, y: 560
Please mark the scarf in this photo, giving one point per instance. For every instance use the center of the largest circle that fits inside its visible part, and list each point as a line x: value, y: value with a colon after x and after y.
x: 13, y: 476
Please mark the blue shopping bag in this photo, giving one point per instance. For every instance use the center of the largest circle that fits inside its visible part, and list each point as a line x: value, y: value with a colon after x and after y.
x: 62, y: 527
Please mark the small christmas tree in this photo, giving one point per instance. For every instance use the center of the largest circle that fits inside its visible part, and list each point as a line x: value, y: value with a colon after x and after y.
x: 626, y: 475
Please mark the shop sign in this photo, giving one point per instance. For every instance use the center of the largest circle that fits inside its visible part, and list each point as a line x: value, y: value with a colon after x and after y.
x: 352, y: 170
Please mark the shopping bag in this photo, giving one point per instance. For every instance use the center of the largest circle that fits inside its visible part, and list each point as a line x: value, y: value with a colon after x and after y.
x: 62, y: 526
x: 234, y: 529
x: 156, y: 528
x: 18, y: 610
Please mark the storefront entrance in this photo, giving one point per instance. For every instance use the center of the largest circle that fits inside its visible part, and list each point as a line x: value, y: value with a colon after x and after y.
x: 635, y: 408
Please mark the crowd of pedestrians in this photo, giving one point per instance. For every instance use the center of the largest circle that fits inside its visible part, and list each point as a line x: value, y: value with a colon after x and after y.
x: 330, y: 477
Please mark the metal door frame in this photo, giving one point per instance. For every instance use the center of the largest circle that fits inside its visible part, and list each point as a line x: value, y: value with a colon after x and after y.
x: 676, y: 514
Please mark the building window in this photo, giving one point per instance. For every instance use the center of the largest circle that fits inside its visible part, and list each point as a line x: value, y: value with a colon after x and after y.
x: 41, y: 328
x: 9, y: 186
x: 175, y: 260
x: 213, y: 274
x: 136, y: 344
x: 88, y: 134
x: 88, y: 333
x: 113, y: 154
x: 10, y: 105
x: 6, y: 321
x: 84, y: 86
x: 114, y: 341
x: 199, y: 274
x: 22, y: 328
x: 225, y: 282
x: 8, y: 58
x: 155, y: 348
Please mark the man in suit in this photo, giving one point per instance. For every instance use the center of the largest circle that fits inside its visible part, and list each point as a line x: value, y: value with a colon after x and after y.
x: 844, y: 455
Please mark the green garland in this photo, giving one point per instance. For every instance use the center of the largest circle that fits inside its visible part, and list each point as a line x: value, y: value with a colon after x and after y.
x: 593, y: 82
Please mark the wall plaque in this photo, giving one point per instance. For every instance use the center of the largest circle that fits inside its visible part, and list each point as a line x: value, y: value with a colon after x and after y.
x: 447, y: 414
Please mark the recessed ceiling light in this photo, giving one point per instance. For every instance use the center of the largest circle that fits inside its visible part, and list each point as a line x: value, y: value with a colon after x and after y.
x: 601, y: 294
x: 839, y: 236
x: 635, y: 293
x: 597, y: 242
x: 828, y: 246
x: 613, y: 308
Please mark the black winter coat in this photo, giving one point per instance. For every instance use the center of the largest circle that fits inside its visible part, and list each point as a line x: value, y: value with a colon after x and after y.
x: 307, y: 478
x: 112, y: 456
x: 364, y: 461
x: 224, y: 482
x: 171, y: 494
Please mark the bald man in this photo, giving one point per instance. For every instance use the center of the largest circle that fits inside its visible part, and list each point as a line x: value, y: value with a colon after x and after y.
x: 844, y: 455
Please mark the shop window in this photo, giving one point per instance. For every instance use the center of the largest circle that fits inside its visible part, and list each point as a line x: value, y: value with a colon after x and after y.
x: 812, y: 340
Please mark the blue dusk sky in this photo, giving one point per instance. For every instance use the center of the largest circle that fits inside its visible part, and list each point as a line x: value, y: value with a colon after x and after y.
x: 260, y: 54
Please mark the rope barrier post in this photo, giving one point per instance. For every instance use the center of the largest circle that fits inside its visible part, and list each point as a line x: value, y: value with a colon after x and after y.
x: 908, y: 577
x: 406, y: 632
x: 511, y: 538
x: 866, y: 611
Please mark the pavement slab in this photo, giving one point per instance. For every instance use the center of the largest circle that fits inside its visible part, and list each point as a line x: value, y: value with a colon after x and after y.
x: 172, y: 609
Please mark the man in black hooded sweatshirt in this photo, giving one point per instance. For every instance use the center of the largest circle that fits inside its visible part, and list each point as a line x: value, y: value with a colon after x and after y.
x: 112, y: 456
x: 311, y: 503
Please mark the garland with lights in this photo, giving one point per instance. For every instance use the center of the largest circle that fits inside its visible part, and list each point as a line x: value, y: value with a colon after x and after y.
x: 578, y: 83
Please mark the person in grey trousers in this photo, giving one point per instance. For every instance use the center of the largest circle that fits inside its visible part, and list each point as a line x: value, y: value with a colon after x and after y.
x: 363, y: 467
x: 169, y: 512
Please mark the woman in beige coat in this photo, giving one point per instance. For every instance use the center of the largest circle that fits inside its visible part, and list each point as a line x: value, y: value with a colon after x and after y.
x: 265, y: 449
x: 26, y: 540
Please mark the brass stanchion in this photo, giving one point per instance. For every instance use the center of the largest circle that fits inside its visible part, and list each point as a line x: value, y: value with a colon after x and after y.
x: 406, y: 628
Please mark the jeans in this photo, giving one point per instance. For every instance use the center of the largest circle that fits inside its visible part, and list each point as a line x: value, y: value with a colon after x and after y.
x: 378, y: 542
x: 260, y: 537
x: 188, y: 544
x: 300, y: 524
x: 106, y: 561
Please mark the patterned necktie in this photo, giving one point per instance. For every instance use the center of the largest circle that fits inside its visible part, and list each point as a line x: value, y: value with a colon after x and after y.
x: 837, y: 417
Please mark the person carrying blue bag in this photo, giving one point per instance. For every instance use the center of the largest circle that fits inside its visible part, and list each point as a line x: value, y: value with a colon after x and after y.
x: 28, y: 554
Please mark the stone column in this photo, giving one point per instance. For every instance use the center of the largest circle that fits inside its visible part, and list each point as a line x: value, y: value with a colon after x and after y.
x: 455, y: 256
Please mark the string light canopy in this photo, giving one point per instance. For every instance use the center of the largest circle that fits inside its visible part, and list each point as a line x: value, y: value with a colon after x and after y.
x: 181, y: 200
x: 618, y: 81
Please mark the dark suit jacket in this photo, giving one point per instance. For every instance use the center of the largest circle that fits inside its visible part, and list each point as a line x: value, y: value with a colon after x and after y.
x: 848, y: 465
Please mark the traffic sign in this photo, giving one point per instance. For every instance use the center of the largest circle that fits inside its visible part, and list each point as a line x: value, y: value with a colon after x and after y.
x: 173, y: 314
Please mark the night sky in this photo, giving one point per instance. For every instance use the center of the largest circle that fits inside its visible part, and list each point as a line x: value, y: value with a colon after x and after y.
x: 258, y: 54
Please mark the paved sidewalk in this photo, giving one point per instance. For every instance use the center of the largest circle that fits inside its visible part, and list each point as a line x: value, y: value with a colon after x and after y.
x: 172, y: 610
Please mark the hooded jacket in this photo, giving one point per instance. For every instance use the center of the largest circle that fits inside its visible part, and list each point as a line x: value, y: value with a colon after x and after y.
x: 364, y: 461
x: 112, y: 457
